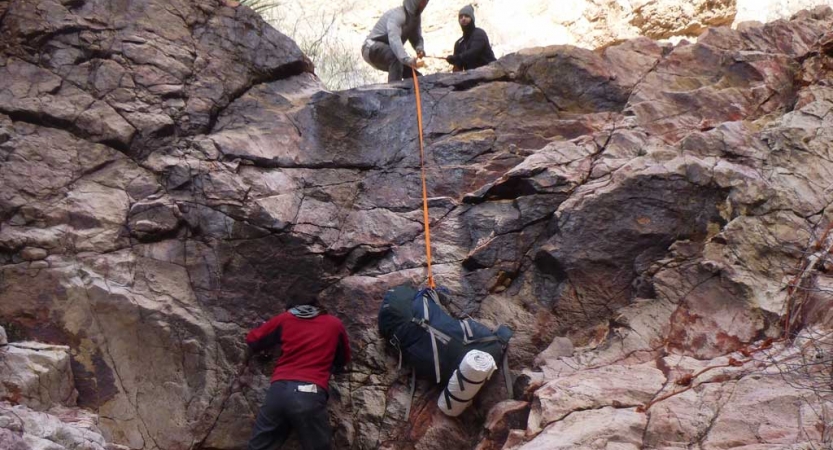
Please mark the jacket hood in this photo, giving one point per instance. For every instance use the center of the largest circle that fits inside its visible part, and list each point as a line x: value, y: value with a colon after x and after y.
x: 305, y: 311
x: 412, y: 7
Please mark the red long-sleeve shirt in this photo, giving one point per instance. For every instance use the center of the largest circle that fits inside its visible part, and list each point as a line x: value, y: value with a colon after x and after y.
x: 309, y: 347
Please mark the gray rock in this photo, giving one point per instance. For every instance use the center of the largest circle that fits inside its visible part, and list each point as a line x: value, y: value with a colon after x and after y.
x: 58, y: 430
x: 186, y: 172
x: 33, y: 253
x: 36, y: 375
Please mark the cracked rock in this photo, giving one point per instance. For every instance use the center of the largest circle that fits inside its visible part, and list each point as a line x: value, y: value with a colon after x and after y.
x: 153, y: 219
x: 172, y: 172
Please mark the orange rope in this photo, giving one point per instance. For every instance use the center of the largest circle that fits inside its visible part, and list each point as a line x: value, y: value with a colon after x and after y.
x: 424, y: 188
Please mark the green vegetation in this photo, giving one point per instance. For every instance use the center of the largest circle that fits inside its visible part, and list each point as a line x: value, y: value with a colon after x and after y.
x: 260, y: 6
x: 338, y: 65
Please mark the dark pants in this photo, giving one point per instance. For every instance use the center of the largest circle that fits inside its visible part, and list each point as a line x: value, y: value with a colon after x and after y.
x: 381, y: 57
x: 286, y: 409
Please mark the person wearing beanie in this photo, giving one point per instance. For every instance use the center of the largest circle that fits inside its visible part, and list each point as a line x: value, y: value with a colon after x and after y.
x: 384, y: 47
x: 473, y: 49
x: 313, y: 344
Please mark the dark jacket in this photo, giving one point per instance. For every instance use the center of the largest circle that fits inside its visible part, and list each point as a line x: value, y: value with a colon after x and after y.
x: 473, y: 49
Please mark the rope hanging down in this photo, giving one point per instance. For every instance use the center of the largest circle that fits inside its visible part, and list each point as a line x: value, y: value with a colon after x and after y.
x: 424, y: 188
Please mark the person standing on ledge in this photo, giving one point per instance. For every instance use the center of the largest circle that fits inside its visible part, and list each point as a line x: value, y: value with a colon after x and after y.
x: 473, y: 49
x: 313, y: 344
x: 384, y: 47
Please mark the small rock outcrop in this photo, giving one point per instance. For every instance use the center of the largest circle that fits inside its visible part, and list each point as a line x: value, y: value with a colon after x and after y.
x: 37, y: 375
x: 38, y: 401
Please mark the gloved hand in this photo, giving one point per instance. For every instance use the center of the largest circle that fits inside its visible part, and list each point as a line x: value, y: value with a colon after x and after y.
x: 451, y: 60
x: 420, y: 53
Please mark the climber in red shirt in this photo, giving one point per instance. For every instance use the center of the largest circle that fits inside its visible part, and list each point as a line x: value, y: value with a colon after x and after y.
x: 313, y: 344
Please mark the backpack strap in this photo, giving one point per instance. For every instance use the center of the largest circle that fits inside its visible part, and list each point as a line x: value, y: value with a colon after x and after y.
x: 483, y: 339
x: 467, y: 333
x: 425, y: 319
x: 410, y: 395
x: 462, y: 380
x: 436, y: 354
x: 449, y: 396
x: 432, y: 294
x: 394, y: 341
x: 399, y: 366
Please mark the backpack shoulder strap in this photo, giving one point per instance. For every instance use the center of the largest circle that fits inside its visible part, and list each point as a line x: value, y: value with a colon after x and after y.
x: 410, y: 400
x: 434, y: 333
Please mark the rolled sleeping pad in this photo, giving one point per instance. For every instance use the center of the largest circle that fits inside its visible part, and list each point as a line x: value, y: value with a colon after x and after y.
x: 465, y: 382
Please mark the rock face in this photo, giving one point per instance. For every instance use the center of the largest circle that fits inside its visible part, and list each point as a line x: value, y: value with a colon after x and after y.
x: 171, y: 171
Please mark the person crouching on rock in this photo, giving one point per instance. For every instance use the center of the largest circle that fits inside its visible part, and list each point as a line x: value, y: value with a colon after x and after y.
x: 473, y: 49
x: 312, y: 345
x: 384, y: 48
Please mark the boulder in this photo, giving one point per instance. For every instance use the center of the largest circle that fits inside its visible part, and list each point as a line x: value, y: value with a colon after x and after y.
x: 36, y: 375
